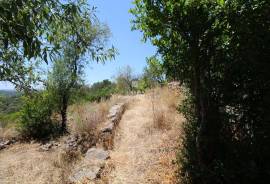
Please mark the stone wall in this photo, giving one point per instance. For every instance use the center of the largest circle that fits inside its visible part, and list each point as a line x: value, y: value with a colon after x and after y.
x: 106, y: 133
x: 95, y: 158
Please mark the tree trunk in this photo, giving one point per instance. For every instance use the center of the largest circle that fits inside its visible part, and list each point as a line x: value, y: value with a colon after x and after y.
x: 64, y: 114
x: 207, y: 114
x: 208, y: 142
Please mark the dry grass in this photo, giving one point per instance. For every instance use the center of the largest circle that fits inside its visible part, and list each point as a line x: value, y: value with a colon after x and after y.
x: 84, y: 118
x: 164, y: 103
x: 8, y: 133
x: 26, y: 164
x: 142, y: 153
x: 65, y: 159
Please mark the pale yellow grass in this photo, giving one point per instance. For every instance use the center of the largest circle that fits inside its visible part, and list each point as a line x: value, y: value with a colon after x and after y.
x: 163, y: 106
x: 25, y: 164
x: 142, y: 153
x: 8, y: 133
x: 85, y: 118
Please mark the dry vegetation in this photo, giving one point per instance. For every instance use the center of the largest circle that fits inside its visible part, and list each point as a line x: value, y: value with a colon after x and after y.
x: 27, y: 164
x: 85, y: 118
x: 24, y: 164
x: 145, y: 144
x: 8, y: 133
x: 147, y: 140
x: 164, y: 102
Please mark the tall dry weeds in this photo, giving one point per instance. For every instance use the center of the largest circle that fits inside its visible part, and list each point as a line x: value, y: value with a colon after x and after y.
x: 164, y: 102
x: 85, y: 118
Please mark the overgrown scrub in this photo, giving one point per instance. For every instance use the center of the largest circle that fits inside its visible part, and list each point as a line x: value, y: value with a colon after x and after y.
x: 86, y: 117
x: 10, y: 105
x: 97, y: 92
x: 37, y: 120
x: 163, y: 102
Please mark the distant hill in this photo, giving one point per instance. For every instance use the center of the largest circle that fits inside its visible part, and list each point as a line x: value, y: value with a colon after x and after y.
x: 9, y: 93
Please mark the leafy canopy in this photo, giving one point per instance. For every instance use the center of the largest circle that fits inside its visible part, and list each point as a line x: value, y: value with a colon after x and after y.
x: 38, y: 30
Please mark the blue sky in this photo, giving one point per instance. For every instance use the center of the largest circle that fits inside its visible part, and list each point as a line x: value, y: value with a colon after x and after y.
x: 131, y: 50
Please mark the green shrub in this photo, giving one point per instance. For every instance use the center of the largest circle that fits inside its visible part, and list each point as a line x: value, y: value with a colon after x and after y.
x: 10, y: 119
x: 187, y: 157
x: 10, y: 104
x: 36, y: 117
x: 98, y: 91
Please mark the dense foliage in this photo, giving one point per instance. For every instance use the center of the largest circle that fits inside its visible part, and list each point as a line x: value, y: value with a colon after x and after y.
x: 36, y: 117
x: 153, y: 74
x: 101, y: 91
x: 220, y: 51
x: 97, y: 92
x: 38, y: 30
x: 10, y: 103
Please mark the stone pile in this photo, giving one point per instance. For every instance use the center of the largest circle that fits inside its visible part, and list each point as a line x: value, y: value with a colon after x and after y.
x: 80, y: 142
x: 91, y: 166
x: 5, y: 143
x: 48, y: 146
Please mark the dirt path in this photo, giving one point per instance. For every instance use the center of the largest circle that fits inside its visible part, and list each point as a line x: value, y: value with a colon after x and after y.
x: 143, y: 154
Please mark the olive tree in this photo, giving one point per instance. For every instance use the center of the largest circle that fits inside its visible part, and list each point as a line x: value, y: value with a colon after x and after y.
x: 83, y: 42
x: 33, y: 31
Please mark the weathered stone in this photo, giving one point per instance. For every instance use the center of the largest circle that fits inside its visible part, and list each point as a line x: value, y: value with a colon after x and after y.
x: 2, y: 146
x: 95, y: 158
x: 106, y: 133
x: 108, y: 127
x: 97, y: 154
x: 116, y: 110
x: 48, y: 146
x: 92, y: 164
x: 88, y: 172
x: 6, y: 143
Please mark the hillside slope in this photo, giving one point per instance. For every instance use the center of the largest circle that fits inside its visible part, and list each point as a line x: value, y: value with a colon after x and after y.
x: 145, y: 145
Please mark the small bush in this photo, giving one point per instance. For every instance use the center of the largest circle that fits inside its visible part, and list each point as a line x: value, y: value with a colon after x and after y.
x: 187, y: 157
x: 36, y: 117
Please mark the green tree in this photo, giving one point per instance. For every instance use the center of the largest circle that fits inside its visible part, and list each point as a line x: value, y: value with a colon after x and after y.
x: 83, y: 43
x: 154, y: 71
x: 32, y: 31
x: 101, y: 90
x: 124, y: 80
x: 220, y: 51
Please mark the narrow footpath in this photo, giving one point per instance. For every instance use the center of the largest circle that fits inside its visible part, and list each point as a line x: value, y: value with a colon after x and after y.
x: 143, y: 154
